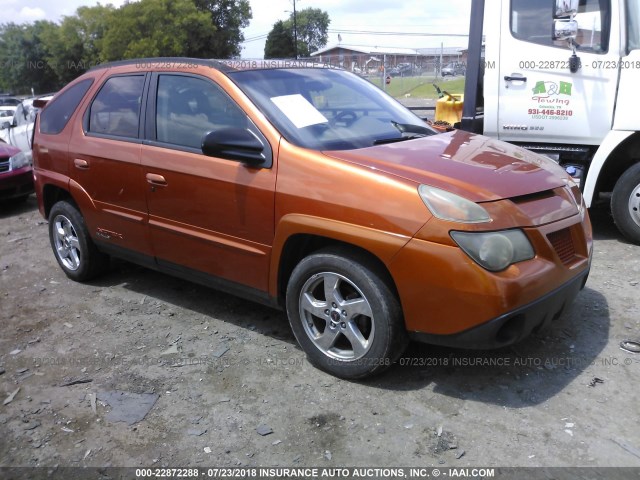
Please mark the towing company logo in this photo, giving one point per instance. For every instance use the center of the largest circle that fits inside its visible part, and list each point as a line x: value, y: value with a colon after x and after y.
x: 550, y: 92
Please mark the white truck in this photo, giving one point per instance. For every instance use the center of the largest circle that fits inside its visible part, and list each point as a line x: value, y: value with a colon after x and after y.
x: 562, y: 77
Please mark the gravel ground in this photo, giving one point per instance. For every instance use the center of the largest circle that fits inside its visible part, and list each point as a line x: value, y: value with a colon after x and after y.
x: 141, y: 369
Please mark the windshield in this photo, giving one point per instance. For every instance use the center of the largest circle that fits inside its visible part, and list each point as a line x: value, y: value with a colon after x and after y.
x: 326, y: 109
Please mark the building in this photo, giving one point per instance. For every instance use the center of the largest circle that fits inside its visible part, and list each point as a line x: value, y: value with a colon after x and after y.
x: 367, y: 59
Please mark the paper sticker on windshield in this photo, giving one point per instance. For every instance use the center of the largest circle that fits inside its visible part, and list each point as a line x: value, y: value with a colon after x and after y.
x: 299, y: 110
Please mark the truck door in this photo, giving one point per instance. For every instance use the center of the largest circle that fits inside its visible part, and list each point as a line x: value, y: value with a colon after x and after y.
x: 539, y: 99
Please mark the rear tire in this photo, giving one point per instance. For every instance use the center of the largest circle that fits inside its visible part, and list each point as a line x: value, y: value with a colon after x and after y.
x: 72, y: 246
x: 625, y: 204
x: 344, y: 314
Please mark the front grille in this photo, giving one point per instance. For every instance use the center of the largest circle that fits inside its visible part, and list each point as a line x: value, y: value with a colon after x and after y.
x: 562, y: 242
x: 4, y: 165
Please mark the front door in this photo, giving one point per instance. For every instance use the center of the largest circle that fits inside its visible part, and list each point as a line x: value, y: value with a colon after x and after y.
x: 207, y: 214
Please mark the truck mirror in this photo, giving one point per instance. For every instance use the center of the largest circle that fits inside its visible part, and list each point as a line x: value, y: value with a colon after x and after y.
x: 565, y: 29
x: 566, y: 8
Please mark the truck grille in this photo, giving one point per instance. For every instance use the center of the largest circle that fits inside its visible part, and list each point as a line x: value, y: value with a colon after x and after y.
x: 4, y: 165
x: 562, y: 242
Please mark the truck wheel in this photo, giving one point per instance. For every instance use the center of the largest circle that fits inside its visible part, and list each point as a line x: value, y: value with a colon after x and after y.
x: 344, y: 315
x: 625, y: 204
x: 74, y: 250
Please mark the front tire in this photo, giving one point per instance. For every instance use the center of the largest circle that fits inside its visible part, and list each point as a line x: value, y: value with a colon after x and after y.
x: 344, y: 315
x: 625, y: 204
x: 72, y: 246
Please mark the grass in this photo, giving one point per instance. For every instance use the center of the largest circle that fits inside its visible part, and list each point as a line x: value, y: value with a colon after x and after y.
x: 420, y: 87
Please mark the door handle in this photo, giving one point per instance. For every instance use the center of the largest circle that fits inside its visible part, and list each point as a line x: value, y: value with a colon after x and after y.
x: 81, y: 164
x: 156, y: 180
x: 509, y: 78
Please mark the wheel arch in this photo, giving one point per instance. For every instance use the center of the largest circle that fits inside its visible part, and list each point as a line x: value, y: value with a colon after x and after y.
x: 299, y: 236
x: 300, y: 246
x: 52, y: 194
x: 619, y: 151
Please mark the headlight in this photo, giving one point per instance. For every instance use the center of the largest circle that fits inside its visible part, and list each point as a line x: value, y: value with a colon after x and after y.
x: 495, y: 251
x: 19, y: 160
x: 449, y: 206
x: 577, y: 196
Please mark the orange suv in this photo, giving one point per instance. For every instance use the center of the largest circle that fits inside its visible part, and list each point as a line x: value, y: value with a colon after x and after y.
x: 307, y: 188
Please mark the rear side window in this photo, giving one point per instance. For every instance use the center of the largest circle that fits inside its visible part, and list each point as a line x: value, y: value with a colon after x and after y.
x: 116, y: 108
x: 57, y: 114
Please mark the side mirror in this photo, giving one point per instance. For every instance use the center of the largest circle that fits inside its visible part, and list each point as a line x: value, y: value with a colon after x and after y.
x: 4, y: 125
x: 234, y: 144
x: 566, y: 8
x: 565, y: 29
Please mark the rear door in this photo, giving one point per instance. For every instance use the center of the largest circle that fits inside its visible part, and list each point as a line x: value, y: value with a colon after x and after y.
x: 207, y: 214
x: 539, y: 99
x: 105, y: 161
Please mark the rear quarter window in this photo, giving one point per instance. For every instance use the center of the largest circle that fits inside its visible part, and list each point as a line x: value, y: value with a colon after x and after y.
x: 116, y: 109
x: 57, y: 114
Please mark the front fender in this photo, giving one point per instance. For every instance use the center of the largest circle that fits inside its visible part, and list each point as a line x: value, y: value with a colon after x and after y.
x: 384, y: 245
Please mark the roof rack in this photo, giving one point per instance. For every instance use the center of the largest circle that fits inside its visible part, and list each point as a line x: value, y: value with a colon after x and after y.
x: 218, y: 65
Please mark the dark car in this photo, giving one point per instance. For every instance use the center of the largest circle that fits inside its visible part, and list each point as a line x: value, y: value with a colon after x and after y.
x: 16, y: 175
x: 9, y: 101
x: 453, y: 69
x: 402, y: 69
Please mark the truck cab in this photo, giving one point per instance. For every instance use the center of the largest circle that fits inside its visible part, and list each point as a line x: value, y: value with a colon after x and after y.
x: 560, y: 78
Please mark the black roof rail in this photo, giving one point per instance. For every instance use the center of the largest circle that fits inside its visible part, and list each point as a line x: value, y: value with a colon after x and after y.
x: 177, y: 60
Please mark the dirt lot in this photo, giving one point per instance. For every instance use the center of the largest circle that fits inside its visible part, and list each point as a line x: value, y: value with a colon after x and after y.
x: 219, y: 367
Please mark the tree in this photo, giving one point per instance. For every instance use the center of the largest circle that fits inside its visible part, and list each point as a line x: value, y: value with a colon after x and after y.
x: 91, y: 25
x: 45, y: 56
x: 312, y: 26
x: 24, y: 58
x: 157, y: 28
x: 228, y: 17
x: 279, y: 42
x: 311, y: 30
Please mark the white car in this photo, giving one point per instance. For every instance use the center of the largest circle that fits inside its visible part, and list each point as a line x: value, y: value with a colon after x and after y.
x: 19, y: 131
x: 6, y: 113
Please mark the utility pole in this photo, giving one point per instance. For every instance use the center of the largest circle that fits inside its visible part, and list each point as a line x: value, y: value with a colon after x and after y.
x: 295, y: 30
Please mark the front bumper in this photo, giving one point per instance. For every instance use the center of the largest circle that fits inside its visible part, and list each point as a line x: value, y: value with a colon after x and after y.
x: 513, y: 326
x: 445, y: 295
x: 16, y: 183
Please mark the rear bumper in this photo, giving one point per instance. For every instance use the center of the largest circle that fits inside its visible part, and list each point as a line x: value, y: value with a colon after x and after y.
x: 513, y: 326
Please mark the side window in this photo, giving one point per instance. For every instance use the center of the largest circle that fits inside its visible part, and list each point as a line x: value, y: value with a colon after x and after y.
x: 189, y: 107
x: 533, y: 22
x: 116, y: 108
x: 20, y: 117
x: 57, y: 114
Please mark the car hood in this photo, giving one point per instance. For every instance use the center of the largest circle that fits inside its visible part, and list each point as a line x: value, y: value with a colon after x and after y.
x: 476, y: 167
x: 7, y: 150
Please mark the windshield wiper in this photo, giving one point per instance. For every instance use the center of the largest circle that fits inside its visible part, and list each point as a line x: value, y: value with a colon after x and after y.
x: 382, y: 141
x: 412, y: 128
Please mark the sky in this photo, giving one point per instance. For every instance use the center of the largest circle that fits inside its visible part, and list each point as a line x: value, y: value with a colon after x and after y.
x: 414, y: 17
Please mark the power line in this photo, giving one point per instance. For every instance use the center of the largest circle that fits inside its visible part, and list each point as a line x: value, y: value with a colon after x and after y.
x: 256, y: 38
x: 404, y: 34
